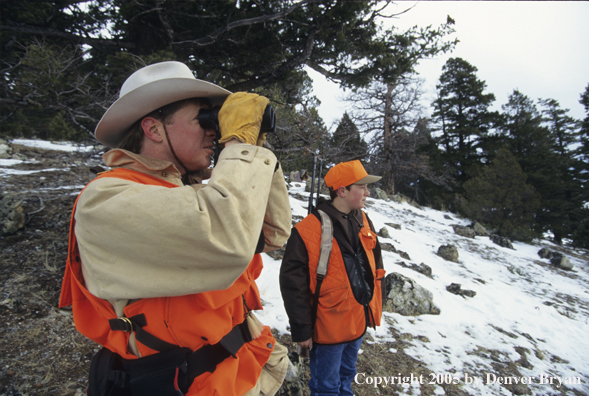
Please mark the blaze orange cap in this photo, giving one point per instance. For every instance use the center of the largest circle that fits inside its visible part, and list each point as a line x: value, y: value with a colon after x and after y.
x: 347, y: 173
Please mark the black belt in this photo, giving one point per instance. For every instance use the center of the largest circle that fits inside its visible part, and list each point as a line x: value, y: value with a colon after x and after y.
x: 204, y: 359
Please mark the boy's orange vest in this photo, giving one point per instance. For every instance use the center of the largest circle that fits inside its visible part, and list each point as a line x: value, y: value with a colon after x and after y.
x: 340, y: 318
x: 190, y: 321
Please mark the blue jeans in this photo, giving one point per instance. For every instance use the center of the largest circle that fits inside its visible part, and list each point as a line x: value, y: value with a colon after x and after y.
x: 333, y: 368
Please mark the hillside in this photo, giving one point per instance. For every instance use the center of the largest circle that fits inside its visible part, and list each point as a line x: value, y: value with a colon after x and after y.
x: 523, y: 332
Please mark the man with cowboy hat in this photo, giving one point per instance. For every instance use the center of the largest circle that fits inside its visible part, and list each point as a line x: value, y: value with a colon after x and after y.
x: 330, y: 310
x: 161, y: 269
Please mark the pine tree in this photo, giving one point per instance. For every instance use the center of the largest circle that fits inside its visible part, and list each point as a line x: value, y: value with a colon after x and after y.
x: 542, y: 147
x: 346, y: 143
x: 462, y: 115
x: 581, y: 231
x: 246, y: 45
x: 500, y: 198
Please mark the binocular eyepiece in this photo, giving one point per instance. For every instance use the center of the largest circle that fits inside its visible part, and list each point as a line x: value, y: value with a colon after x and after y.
x: 209, y: 119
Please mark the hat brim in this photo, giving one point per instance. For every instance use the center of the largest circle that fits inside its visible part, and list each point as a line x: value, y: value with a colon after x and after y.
x: 124, y: 112
x: 369, y: 179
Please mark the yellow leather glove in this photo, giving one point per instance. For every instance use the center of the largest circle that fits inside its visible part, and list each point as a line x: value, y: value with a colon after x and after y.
x: 240, y: 117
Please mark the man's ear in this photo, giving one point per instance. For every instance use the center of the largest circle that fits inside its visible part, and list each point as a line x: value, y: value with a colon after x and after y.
x: 152, y: 129
x: 341, y: 192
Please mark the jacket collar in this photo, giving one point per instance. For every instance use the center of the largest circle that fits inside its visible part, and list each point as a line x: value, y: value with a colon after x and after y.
x: 151, y: 166
x: 346, y: 226
x: 337, y: 216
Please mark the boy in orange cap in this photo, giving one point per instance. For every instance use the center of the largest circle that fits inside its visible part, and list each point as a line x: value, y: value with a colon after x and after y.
x: 349, y: 296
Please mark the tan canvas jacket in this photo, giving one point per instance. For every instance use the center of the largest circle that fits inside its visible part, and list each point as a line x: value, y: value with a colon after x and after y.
x: 140, y: 241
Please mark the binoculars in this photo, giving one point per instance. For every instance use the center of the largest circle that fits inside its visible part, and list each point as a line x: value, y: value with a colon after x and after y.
x: 209, y: 119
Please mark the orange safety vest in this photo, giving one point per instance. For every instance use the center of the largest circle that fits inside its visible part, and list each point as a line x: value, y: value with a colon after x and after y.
x: 191, y: 321
x: 340, y: 318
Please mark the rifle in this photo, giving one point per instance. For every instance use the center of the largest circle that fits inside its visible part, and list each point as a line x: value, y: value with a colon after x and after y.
x: 313, y: 184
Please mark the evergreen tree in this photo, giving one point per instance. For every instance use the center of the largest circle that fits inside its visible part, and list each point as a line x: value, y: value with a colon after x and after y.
x: 300, y: 135
x: 542, y: 150
x: 562, y: 126
x: 246, y: 45
x: 500, y: 198
x: 462, y: 115
x: 346, y: 144
x: 581, y: 231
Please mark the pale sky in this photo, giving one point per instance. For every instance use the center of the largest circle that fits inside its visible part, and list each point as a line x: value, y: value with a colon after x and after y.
x: 540, y: 48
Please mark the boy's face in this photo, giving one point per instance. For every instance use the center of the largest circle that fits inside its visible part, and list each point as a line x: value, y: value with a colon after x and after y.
x: 355, y: 197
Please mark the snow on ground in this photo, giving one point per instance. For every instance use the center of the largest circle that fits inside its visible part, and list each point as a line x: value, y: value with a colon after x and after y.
x: 521, y: 301
x: 58, y: 146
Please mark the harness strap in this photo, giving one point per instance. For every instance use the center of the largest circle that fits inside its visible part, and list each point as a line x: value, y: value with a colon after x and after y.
x: 324, y: 254
x: 136, y: 324
x: 205, y: 359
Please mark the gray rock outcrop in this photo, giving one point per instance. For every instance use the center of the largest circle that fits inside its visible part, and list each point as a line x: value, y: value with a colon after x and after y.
x: 393, y: 225
x: 406, y: 297
x: 501, y: 241
x: 479, y: 230
x: 324, y: 190
x: 384, y: 233
x: 5, y: 150
x: 456, y: 288
x: 378, y: 193
x: 464, y: 231
x: 12, y: 215
x: 295, y: 176
x: 448, y: 253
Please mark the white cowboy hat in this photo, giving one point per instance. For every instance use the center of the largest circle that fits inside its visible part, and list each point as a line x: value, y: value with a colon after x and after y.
x: 148, y: 89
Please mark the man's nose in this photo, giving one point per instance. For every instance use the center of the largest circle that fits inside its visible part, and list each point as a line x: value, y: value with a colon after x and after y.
x: 210, y: 132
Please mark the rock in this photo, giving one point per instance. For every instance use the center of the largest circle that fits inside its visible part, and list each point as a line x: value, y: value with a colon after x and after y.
x: 406, y: 297
x: 5, y: 150
x: 378, y: 193
x: 456, y: 288
x: 403, y: 254
x: 479, y: 230
x: 424, y: 269
x: 12, y: 215
x: 393, y: 225
x: 502, y: 241
x: 561, y: 261
x: 556, y: 258
x: 384, y: 233
x: 387, y: 247
x: 463, y: 231
x: 398, y: 198
x: 295, y: 176
x: 324, y: 190
x: 448, y: 253
x: 448, y: 217
x: 421, y: 268
x: 545, y: 253
x: 277, y: 254
x: 414, y: 204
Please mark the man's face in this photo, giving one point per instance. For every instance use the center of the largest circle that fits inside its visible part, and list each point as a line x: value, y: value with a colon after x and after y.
x: 356, y: 196
x: 192, y: 144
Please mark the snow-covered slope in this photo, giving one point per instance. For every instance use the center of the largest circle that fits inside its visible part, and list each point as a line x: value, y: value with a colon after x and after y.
x: 524, y: 306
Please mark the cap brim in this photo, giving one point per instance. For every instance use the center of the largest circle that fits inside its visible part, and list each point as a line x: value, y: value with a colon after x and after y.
x: 123, y: 113
x: 369, y: 179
